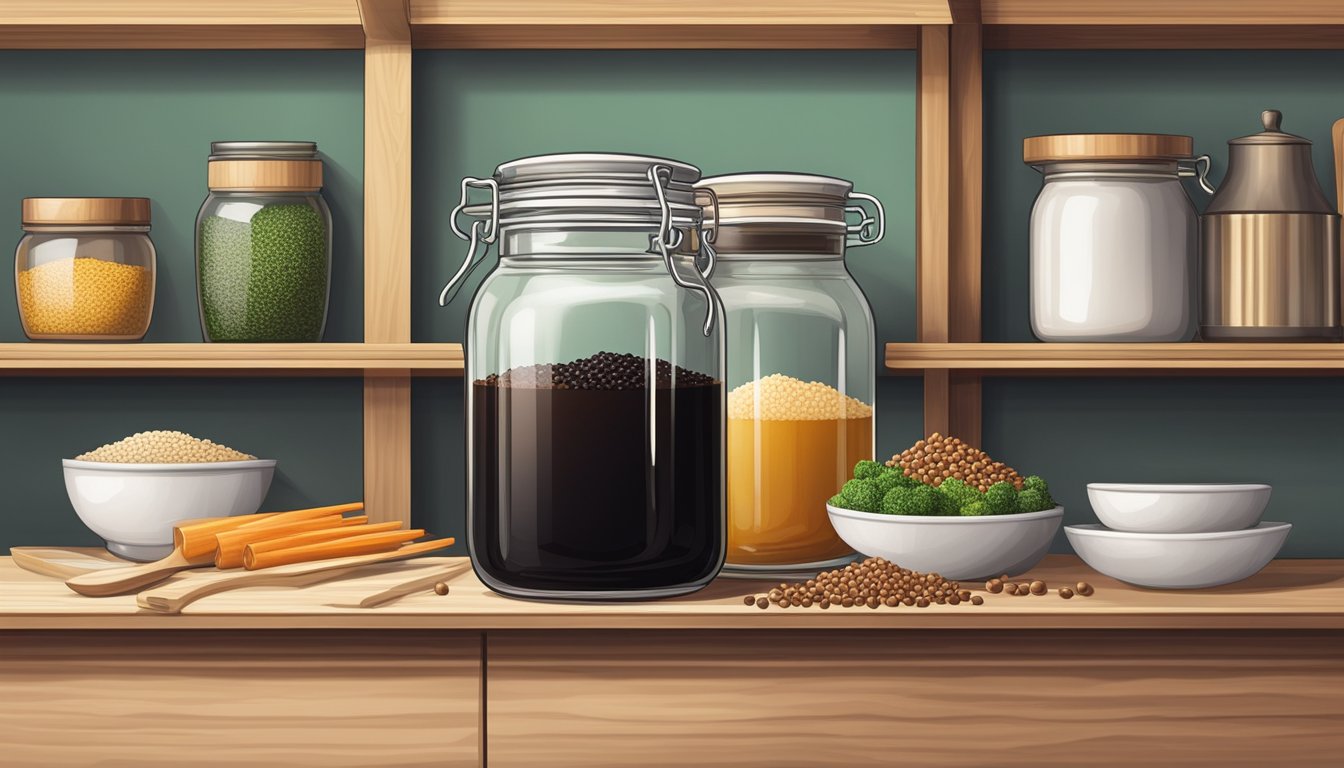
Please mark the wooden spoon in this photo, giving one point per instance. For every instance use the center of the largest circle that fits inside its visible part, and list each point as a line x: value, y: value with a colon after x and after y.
x: 120, y: 581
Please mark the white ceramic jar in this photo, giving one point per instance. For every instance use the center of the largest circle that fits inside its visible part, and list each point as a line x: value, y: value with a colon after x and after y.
x: 1113, y: 239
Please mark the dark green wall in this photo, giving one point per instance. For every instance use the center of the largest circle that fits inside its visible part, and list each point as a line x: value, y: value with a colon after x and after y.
x: 1283, y: 431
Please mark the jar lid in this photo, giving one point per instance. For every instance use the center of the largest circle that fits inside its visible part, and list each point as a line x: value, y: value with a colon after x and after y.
x: 86, y: 211
x: 264, y: 166
x: 594, y: 187
x: 1124, y: 147
x: 1272, y: 134
x: 777, y: 199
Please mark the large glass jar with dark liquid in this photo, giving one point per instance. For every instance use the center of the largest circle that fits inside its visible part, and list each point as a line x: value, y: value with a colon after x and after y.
x: 595, y: 397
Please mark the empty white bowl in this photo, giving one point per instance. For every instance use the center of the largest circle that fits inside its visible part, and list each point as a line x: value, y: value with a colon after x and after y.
x: 1179, y: 508
x: 135, y: 506
x: 1178, y: 560
x: 956, y: 547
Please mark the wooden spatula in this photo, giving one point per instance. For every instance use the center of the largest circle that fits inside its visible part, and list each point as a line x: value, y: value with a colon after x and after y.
x: 172, y: 598
x: 120, y: 581
x: 65, y: 562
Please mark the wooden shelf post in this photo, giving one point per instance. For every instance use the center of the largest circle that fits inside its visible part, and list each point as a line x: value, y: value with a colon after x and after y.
x: 932, y: 209
x: 387, y: 253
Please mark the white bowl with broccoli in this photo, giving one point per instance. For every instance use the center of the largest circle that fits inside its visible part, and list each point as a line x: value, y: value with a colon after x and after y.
x: 953, y: 529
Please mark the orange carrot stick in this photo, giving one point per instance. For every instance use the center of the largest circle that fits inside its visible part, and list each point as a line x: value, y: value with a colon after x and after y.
x: 231, y: 543
x: 355, y: 545
x: 196, y: 539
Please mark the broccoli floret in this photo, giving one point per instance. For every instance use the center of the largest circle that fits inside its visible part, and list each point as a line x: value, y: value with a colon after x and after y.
x: 959, y: 492
x: 975, y: 509
x: 861, y: 495
x: 903, y: 480
x: 1032, y: 500
x: 836, y: 501
x: 1036, y: 483
x: 920, y: 500
x: 888, y: 480
x: 868, y: 470
x: 1001, y: 498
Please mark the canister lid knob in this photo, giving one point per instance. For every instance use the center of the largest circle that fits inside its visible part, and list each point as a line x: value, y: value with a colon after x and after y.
x: 1271, y: 118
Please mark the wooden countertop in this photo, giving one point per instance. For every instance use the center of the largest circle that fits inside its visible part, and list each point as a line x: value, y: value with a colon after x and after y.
x: 1288, y: 594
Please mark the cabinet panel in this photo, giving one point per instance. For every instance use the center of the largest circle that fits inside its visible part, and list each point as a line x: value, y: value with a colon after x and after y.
x: 225, y: 699
x: 914, y: 698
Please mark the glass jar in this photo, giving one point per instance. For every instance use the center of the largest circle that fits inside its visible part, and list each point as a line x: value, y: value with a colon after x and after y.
x: 85, y: 269
x: 263, y: 243
x: 801, y: 373
x: 594, y: 366
x: 1113, y: 238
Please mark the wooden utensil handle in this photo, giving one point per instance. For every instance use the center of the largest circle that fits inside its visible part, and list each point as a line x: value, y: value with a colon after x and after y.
x: 120, y: 581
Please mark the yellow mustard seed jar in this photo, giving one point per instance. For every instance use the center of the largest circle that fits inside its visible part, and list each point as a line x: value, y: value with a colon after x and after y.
x: 85, y: 268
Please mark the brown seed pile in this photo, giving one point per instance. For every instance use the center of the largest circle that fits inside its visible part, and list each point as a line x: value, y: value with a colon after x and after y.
x: 163, y: 447
x: 937, y: 458
x: 1034, y: 587
x: 873, y: 583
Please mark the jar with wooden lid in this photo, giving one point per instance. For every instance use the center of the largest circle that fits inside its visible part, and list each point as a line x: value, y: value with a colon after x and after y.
x: 263, y: 244
x: 1113, y: 237
x: 801, y: 362
x: 85, y: 269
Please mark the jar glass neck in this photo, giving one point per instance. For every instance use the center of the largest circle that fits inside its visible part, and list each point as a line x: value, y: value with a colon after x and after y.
x: 1164, y: 170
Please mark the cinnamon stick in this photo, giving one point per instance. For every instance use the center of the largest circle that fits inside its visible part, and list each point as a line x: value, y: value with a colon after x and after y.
x: 231, y: 543
x: 317, y: 537
x: 196, y: 539
x: 355, y: 545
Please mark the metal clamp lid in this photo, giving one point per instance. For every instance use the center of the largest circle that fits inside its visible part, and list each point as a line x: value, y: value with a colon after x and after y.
x: 659, y: 176
x: 858, y: 234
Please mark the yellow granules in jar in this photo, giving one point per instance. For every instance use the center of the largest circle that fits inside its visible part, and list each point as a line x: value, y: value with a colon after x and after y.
x: 163, y: 447
x: 779, y: 397
x: 85, y: 297
x: 791, y: 444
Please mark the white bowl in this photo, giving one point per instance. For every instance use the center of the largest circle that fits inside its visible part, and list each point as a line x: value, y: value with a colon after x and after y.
x: 1185, y: 508
x: 1178, y: 560
x: 956, y: 547
x: 134, y: 506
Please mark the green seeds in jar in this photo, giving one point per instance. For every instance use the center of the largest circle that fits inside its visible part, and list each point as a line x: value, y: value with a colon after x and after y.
x: 265, y: 279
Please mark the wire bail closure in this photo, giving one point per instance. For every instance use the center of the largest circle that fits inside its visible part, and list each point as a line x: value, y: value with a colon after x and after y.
x: 860, y: 233
x: 475, y: 240
x: 669, y: 238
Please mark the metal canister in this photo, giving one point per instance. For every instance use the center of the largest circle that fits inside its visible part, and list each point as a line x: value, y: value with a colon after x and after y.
x: 1270, y: 253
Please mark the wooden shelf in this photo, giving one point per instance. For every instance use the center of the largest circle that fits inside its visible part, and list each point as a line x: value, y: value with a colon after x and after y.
x: 1288, y: 594
x: 1147, y: 12
x: 333, y: 359
x: 1184, y: 359
x: 665, y: 24
x: 179, y: 24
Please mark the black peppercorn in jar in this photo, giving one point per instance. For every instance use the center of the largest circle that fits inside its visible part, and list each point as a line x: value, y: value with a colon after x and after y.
x: 596, y: 401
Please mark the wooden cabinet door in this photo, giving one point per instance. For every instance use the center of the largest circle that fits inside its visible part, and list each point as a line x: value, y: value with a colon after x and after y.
x: 918, y: 698
x: 202, y: 698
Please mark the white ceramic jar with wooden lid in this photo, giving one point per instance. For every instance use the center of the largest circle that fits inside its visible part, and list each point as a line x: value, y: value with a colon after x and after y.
x: 1113, y: 237
x: 85, y: 269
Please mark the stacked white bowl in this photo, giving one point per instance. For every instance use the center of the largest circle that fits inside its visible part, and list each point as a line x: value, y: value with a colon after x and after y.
x: 1178, y: 536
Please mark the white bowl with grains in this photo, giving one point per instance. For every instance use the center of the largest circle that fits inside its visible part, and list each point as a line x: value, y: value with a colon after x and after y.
x: 132, y: 492
x: 960, y: 548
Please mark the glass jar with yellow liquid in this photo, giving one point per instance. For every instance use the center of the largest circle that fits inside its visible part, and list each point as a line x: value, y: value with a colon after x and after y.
x: 800, y: 365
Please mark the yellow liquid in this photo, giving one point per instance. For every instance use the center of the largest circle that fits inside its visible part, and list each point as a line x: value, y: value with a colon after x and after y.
x: 780, y: 474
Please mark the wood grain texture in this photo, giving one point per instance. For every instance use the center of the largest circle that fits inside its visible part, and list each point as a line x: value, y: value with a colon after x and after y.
x: 387, y: 448
x: 328, y: 359
x: 1288, y: 594
x: 664, y: 36
x: 1164, y: 37
x: 1181, y: 359
x: 659, y: 12
x: 1027, y: 699
x: 387, y: 253
x: 1255, y: 12
x: 174, y: 12
x: 228, y: 699
x: 932, y: 217
x: 937, y: 402
x: 966, y: 212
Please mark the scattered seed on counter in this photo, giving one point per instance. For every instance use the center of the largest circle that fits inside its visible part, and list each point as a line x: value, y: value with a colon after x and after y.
x: 1038, y: 587
x: 440, y: 588
x: 1065, y: 593
x: 749, y: 599
x: 1085, y: 589
x: 977, y: 600
x: 994, y: 585
x: 873, y: 583
x: 163, y: 447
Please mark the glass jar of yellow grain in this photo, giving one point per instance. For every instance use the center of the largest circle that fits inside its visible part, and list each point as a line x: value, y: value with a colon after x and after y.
x: 800, y: 362
x: 84, y: 270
